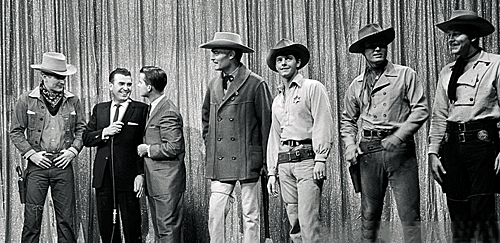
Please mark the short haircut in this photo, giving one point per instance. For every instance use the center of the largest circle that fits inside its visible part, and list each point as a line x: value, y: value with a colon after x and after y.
x: 122, y: 71
x: 155, y: 77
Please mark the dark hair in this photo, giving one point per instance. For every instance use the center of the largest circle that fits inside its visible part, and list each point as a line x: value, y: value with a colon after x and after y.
x: 155, y: 77
x: 237, y: 54
x: 122, y: 71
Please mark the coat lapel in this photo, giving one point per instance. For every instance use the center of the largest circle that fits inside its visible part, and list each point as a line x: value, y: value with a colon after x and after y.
x: 156, y: 110
x: 129, y: 112
x: 239, y: 79
x: 106, y: 113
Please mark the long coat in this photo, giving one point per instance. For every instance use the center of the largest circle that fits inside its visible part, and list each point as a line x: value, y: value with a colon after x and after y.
x: 127, y: 163
x: 236, y: 126
x: 164, y: 167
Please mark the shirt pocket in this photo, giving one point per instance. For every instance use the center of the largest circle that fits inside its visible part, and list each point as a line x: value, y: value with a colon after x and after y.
x: 467, y: 88
x: 33, y: 120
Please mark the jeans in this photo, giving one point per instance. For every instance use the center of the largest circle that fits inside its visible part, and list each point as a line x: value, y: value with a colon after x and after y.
x: 398, y: 168
x: 220, y: 202
x: 302, y: 196
x: 61, y: 183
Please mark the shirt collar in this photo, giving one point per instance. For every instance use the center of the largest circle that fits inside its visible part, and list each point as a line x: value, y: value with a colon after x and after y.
x: 35, y: 93
x: 483, y: 57
x: 123, y: 104
x: 297, y: 80
x: 155, y: 102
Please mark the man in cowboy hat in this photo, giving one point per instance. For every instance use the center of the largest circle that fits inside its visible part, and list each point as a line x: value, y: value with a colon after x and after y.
x: 54, y: 120
x: 236, y: 120
x: 464, y: 129
x: 391, y: 105
x: 299, y: 141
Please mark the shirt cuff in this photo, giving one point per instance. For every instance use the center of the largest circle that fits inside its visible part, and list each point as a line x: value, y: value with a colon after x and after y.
x: 73, y: 150
x: 433, y: 149
x: 271, y: 171
x: 149, y: 151
x: 320, y: 157
x: 28, y: 154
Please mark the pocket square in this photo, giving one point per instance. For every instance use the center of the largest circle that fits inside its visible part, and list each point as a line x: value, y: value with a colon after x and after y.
x: 132, y: 124
x: 30, y: 112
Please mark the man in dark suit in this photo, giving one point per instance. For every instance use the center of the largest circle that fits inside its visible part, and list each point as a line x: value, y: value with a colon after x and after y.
x: 163, y: 152
x: 116, y: 129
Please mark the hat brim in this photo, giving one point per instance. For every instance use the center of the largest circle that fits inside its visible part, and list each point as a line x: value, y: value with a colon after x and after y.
x: 480, y: 25
x: 70, y: 69
x: 386, y: 36
x: 297, y: 49
x: 225, y: 44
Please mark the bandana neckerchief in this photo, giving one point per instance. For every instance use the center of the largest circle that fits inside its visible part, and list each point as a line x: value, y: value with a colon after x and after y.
x: 369, y: 80
x: 52, y: 99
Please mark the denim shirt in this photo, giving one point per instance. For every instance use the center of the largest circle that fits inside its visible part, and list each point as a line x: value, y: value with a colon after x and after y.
x: 28, y: 123
x: 398, y: 102
x: 304, y: 113
x: 478, y: 90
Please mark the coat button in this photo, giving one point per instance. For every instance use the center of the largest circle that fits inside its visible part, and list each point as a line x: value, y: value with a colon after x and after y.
x: 219, y: 119
x: 375, y: 116
x: 232, y: 139
x: 220, y: 158
x: 41, y: 119
x: 385, y: 115
x: 231, y: 119
x: 219, y: 139
x: 42, y: 107
x: 471, y: 99
x: 374, y: 106
x: 384, y: 93
x: 234, y: 158
x: 232, y: 98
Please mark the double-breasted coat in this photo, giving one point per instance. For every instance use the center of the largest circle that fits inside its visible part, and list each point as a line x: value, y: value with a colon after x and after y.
x: 236, y: 126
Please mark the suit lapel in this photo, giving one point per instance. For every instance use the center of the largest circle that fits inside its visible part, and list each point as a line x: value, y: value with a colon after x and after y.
x: 106, y: 113
x: 239, y: 79
x: 156, y: 110
x: 129, y: 112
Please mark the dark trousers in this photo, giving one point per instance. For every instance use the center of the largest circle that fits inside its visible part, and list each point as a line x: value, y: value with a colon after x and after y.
x: 127, y: 208
x: 470, y: 184
x: 166, y: 215
x: 61, y: 183
x: 399, y: 168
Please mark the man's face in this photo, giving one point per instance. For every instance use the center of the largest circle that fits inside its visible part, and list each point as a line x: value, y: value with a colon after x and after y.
x: 375, y: 53
x: 54, y: 82
x: 459, y: 43
x: 287, y: 65
x: 142, y: 86
x: 121, y: 88
x: 221, y: 59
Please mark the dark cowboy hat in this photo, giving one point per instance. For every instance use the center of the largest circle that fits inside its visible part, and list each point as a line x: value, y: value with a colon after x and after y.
x: 53, y: 62
x: 481, y: 27
x: 227, y: 40
x: 372, y: 33
x: 287, y: 46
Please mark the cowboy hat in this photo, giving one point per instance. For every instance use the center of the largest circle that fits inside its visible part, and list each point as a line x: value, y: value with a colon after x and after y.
x: 287, y: 46
x: 53, y: 62
x: 227, y: 40
x: 371, y: 33
x: 480, y: 26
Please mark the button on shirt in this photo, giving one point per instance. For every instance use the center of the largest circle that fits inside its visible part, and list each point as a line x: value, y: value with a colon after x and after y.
x: 478, y: 90
x: 304, y: 113
x: 398, y: 102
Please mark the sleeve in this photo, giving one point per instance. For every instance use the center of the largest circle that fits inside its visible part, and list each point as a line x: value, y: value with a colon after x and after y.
x: 438, y: 118
x: 418, y: 107
x: 205, y: 115
x: 77, y: 144
x: 273, y: 145
x: 18, y: 127
x: 171, y: 135
x: 263, y: 102
x: 350, y: 116
x: 322, y: 130
x: 92, y: 136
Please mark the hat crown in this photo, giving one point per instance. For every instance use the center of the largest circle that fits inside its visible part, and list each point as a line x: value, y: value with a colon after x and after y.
x: 54, y: 61
x: 228, y: 36
x: 463, y: 13
x: 283, y: 43
x: 369, y: 29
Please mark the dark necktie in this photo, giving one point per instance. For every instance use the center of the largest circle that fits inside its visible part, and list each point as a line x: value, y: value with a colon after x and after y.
x: 117, y: 112
x: 225, y: 79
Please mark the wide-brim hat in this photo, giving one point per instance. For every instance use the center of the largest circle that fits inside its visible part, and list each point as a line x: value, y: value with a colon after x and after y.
x: 287, y: 46
x: 227, y: 40
x: 372, y: 33
x: 54, y: 62
x: 479, y: 26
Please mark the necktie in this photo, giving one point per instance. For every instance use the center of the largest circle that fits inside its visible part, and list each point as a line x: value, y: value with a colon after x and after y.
x: 117, y: 112
x: 149, y: 112
x: 225, y: 79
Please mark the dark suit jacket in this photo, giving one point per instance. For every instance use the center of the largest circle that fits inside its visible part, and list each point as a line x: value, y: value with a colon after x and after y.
x: 127, y: 163
x: 164, y: 169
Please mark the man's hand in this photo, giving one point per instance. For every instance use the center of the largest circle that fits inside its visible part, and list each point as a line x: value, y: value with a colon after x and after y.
x: 497, y: 164
x: 139, y: 185
x: 319, y: 172
x: 39, y: 160
x: 142, y: 150
x: 351, y: 153
x: 391, y: 142
x: 114, y: 128
x: 64, y: 159
x: 437, y: 167
x: 272, y: 188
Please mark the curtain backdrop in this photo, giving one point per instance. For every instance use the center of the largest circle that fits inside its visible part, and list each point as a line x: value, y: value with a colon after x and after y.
x: 99, y: 35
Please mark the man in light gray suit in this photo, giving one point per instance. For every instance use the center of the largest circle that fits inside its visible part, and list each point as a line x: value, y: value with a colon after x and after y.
x: 163, y: 152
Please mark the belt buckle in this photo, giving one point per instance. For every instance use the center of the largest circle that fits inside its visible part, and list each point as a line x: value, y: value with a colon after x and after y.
x: 380, y: 133
x: 461, y: 137
x: 462, y: 127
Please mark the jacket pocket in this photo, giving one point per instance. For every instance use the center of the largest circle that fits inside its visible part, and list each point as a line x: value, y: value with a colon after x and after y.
x: 255, y: 158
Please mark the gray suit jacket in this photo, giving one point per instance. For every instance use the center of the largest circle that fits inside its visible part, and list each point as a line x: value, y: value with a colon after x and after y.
x: 164, y: 169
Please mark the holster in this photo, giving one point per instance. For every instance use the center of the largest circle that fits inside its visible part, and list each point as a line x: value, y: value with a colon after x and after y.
x: 355, y: 173
x: 21, y: 183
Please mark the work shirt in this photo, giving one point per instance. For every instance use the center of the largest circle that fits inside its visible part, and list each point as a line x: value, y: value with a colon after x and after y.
x: 302, y: 113
x: 478, y: 90
x: 397, y: 102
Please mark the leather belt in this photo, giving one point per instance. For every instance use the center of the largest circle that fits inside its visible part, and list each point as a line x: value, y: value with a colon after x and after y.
x: 464, y: 137
x: 51, y: 155
x: 295, y: 155
x: 485, y: 124
x: 379, y: 133
x: 294, y: 143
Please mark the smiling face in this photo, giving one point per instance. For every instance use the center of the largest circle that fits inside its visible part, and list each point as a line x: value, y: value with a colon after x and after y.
x: 287, y: 66
x: 375, y: 53
x: 54, y: 82
x: 121, y: 87
x: 459, y: 43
